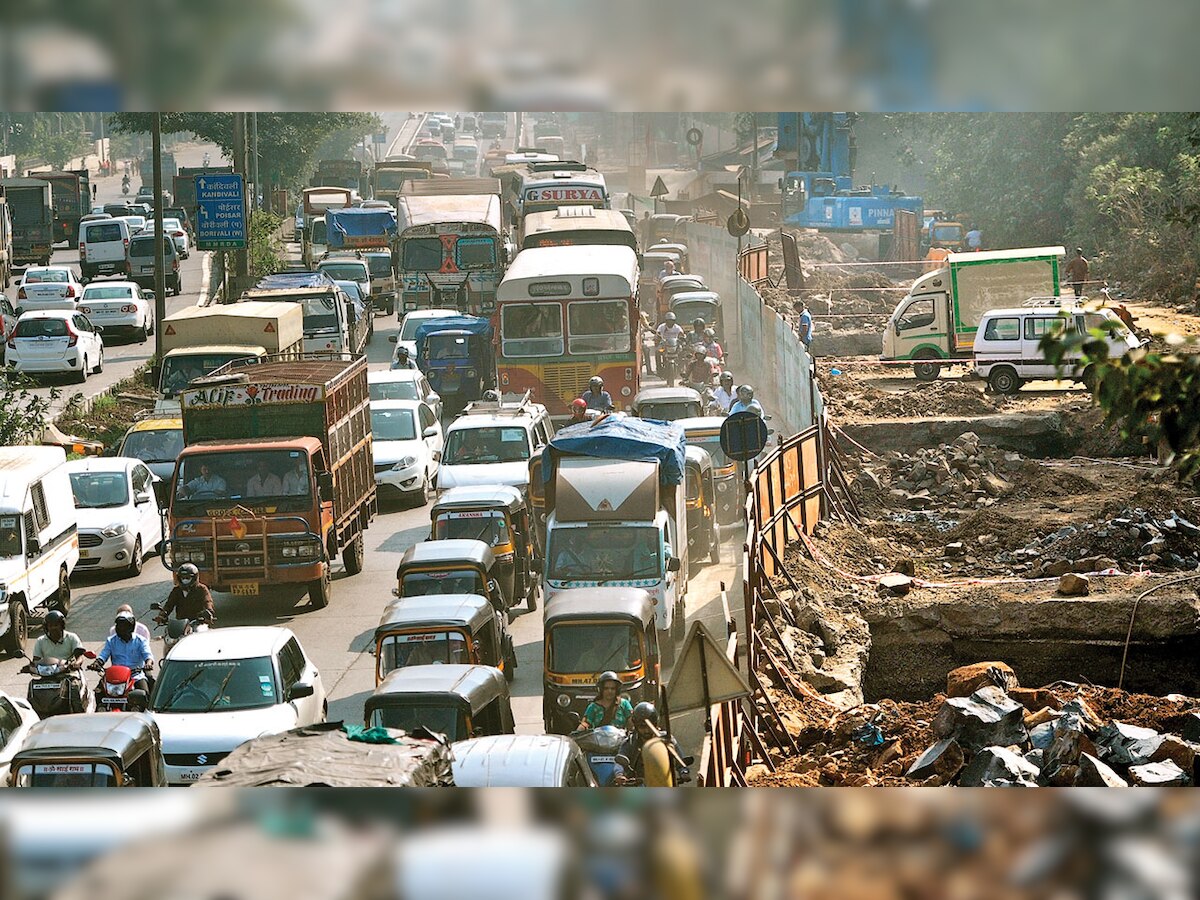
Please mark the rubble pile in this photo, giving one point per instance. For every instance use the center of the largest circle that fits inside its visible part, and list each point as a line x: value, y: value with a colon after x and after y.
x: 1134, y: 537
x: 852, y: 399
x: 986, y: 730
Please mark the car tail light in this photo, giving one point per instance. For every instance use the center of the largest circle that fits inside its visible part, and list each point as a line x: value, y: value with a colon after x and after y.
x: 127, y: 308
x: 82, y: 250
x: 175, y: 264
x: 21, y: 295
x: 86, y: 310
x: 73, y: 338
x: 70, y: 290
x: 176, y: 234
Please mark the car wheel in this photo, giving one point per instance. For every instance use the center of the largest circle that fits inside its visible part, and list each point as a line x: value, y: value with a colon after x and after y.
x: 135, y: 561
x: 318, y: 590
x: 82, y: 374
x: 100, y: 363
x: 62, y: 597
x: 1004, y: 380
x: 18, y: 628
x: 422, y: 496
x: 144, y: 333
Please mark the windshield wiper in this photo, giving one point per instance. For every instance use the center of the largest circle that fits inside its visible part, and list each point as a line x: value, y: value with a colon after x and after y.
x: 166, y: 704
x: 217, y: 695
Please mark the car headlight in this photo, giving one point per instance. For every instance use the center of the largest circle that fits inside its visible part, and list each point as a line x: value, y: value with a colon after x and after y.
x: 405, y: 463
x: 563, y: 700
x: 289, y: 551
x: 115, y: 529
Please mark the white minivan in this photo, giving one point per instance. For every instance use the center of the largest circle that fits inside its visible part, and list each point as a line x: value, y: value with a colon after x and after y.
x: 39, y: 541
x: 103, y: 248
x: 1006, y: 350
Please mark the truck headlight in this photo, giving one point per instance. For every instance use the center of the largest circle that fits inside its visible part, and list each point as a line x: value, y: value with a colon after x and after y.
x: 563, y: 700
x: 289, y: 551
x: 115, y: 529
x: 307, y: 550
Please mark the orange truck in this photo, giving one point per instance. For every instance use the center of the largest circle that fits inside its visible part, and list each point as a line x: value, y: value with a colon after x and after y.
x: 276, y: 476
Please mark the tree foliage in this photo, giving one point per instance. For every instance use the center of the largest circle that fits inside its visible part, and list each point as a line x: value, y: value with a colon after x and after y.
x: 23, y: 414
x: 55, y: 138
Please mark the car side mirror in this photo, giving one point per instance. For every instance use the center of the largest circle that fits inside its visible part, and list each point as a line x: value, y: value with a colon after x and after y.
x: 140, y: 498
x: 325, y: 486
x: 435, y: 397
x: 431, y: 431
x: 98, y: 328
x: 673, y: 564
x: 300, y: 690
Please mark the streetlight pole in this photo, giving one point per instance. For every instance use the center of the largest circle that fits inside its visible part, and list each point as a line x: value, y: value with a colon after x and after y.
x: 160, y: 274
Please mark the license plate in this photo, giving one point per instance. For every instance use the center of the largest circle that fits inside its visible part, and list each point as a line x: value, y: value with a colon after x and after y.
x: 147, y: 270
x: 113, y: 701
x: 604, y: 759
x: 107, y: 267
x: 244, y: 589
x: 84, y: 554
x: 45, y: 687
x: 190, y: 776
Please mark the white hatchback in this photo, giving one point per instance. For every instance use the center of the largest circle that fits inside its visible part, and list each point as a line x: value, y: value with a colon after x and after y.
x: 118, y: 306
x: 221, y: 688
x: 55, y: 341
x: 48, y: 287
x: 119, y: 518
x: 16, y: 718
x: 404, y: 384
x: 406, y: 443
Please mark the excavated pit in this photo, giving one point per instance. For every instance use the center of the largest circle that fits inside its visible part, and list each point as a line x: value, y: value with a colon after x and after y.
x: 916, y: 640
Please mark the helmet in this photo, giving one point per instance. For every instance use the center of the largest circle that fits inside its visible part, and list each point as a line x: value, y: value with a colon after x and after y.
x: 746, y: 389
x: 709, y: 333
x: 726, y: 378
x: 596, y: 383
x: 699, y: 353
x: 54, y: 617
x: 607, y: 676
x: 188, y: 574
x: 124, y: 617
x: 578, y: 403
x: 697, y: 322
x: 671, y: 317
x: 645, y: 712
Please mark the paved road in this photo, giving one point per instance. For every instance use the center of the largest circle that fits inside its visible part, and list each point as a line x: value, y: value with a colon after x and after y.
x: 339, y: 636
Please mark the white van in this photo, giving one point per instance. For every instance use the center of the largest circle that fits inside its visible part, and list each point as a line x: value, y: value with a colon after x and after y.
x: 1006, y: 350
x: 103, y: 248
x: 39, y: 540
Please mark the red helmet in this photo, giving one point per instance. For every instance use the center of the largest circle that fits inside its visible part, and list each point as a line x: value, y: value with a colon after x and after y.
x: 578, y: 403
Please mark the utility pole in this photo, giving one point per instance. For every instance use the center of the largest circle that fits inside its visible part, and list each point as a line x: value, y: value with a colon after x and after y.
x: 241, y: 258
x: 160, y: 273
x: 254, y: 159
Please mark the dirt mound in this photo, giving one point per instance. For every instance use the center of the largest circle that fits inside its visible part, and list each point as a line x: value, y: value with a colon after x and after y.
x: 1010, y: 533
x: 854, y: 399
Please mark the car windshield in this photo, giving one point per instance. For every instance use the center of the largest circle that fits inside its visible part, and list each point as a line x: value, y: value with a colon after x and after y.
x: 380, y: 266
x: 45, y: 276
x: 318, y: 231
x: 426, y: 584
x: 349, y: 271
x: 713, y: 446
x: 144, y: 246
x: 445, y: 720
x: 353, y: 289
x: 160, y: 445
x: 177, y: 371
x: 480, y: 446
x: 489, y: 526
x: 238, y: 475
x: 35, y: 328
x: 422, y: 255
x: 424, y: 649
x: 447, y: 346
x: 215, y: 685
x: 947, y: 233
x: 669, y: 411
x: 408, y: 331
x: 393, y: 425
x: 602, y: 552
x: 66, y: 775
x: 594, y: 647
x: 105, y: 292
x: 10, y: 536
x: 393, y: 390
x: 99, y: 490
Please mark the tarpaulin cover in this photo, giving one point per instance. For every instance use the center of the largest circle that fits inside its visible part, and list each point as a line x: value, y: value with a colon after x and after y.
x: 619, y: 436
x: 326, y: 755
x: 355, y: 222
x: 294, y: 281
x: 471, y: 324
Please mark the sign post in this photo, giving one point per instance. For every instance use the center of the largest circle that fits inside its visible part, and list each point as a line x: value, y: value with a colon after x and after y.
x: 220, y: 212
x: 659, y: 190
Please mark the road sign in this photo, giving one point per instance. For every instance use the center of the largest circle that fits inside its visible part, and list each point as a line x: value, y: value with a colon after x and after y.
x: 738, y: 223
x: 703, y: 675
x: 659, y: 189
x: 743, y: 435
x: 220, y: 212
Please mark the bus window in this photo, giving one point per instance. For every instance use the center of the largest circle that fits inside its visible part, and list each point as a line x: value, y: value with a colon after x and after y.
x: 531, y: 329
x: 598, y: 326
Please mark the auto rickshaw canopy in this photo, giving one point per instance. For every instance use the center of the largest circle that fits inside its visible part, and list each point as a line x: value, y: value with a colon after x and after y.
x: 469, y: 611
x: 442, y: 554
x: 633, y: 604
x: 473, y: 686
x: 118, y: 738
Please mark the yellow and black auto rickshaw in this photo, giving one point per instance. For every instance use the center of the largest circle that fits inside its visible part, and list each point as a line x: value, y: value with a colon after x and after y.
x: 445, y: 629
x: 704, y: 531
x: 457, y: 701
x: 499, y: 516
x: 450, y: 567
x: 593, y: 630
x: 87, y: 750
x: 705, y: 432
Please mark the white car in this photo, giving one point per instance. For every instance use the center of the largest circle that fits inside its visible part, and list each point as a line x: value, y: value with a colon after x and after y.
x: 54, y: 341
x: 118, y: 306
x: 404, y: 384
x: 137, y: 224
x: 408, y: 328
x: 179, y: 235
x: 119, y: 518
x: 520, y: 760
x: 406, y: 443
x: 16, y: 718
x: 48, y: 287
x: 221, y: 688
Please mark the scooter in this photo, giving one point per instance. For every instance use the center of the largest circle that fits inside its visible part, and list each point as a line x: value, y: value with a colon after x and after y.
x: 599, y: 747
x: 56, y: 687
x: 178, y: 629
x: 117, y: 691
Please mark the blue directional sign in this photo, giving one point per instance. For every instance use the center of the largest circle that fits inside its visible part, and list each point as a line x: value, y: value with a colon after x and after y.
x: 220, y: 212
x: 743, y: 436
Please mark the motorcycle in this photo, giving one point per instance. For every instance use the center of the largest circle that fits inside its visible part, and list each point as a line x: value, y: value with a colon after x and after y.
x: 117, y: 691
x: 672, y: 362
x: 599, y: 747
x: 178, y: 629
x: 56, y: 687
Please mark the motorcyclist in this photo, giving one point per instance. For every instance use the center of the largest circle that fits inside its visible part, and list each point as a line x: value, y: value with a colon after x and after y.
x: 125, y: 648
x: 696, y: 335
x: 189, y: 599
x: 56, y: 642
x: 610, y: 706
x: 724, y: 395
x: 699, y: 370
x: 578, y: 411
x: 139, y: 628
x: 669, y: 332
x: 403, y: 360
x: 745, y: 402
x: 596, y: 397
x: 711, y: 347
x: 646, y: 749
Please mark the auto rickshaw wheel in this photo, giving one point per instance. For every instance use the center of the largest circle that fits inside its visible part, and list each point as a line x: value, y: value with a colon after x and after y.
x: 318, y: 590
x: 352, y: 556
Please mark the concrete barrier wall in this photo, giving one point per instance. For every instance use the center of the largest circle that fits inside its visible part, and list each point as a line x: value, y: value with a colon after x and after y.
x: 763, y: 348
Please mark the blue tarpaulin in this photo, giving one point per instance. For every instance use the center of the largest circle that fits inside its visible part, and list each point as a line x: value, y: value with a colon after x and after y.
x: 471, y: 324
x: 619, y: 436
x: 294, y: 281
x: 356, y: 227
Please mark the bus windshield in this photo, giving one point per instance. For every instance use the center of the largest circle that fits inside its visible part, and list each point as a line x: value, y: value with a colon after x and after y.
x: 598, y: 326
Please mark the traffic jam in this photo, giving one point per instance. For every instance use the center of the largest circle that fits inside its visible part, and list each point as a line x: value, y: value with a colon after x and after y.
x: 453, y: 477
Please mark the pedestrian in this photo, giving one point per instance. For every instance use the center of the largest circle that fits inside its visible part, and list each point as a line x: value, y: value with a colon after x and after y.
x: 95, y: 187
x: 645, y: 229
x: 804, y: 326
x: 1077, y: 271
x: 975, y: 238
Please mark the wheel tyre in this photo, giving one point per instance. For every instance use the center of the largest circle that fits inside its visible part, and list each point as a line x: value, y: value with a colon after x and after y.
x: 531, y: 600
x: 510, y: 669
x: 100, y: 364
x: 1004, y: 380
x: 82, y: 374
x: 18, y: 629
x: 423, y: 495
x: 144, y: 333
x: 927, y: 370
x: 318, y: 590
x: 62, y: 597
x: 352, y: 556
x: 135, y: 560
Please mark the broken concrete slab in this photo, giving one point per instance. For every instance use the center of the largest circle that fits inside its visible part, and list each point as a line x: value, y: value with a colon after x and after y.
x: 944, y: 759
x: 1072, y: 585
x: 989, y: 717
x: 965, y: 680
x: 1122, y: 744
x: 1159, y: 774
x: 895, y: 584
x: 1182, y: 753
x: 999, y: 767
x: 1094, y: 773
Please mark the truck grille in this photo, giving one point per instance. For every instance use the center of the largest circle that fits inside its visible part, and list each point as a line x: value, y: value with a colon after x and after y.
x: 89, y: 539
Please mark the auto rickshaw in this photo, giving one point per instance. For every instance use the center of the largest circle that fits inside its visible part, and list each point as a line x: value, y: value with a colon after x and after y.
x: 667, y: 404
x: 678, y: 284
x: 705, y: 432
x: 499, y: 516
x: 457, y: 701
x: 667, y: 225
x: 651, y: 263
x: 691, y: 305
x: 450, y: 567
x: 593, y: 630
x: 85, y: 750
x: 704, y: 531
x: 442, y: 629
x: 676, y: 247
